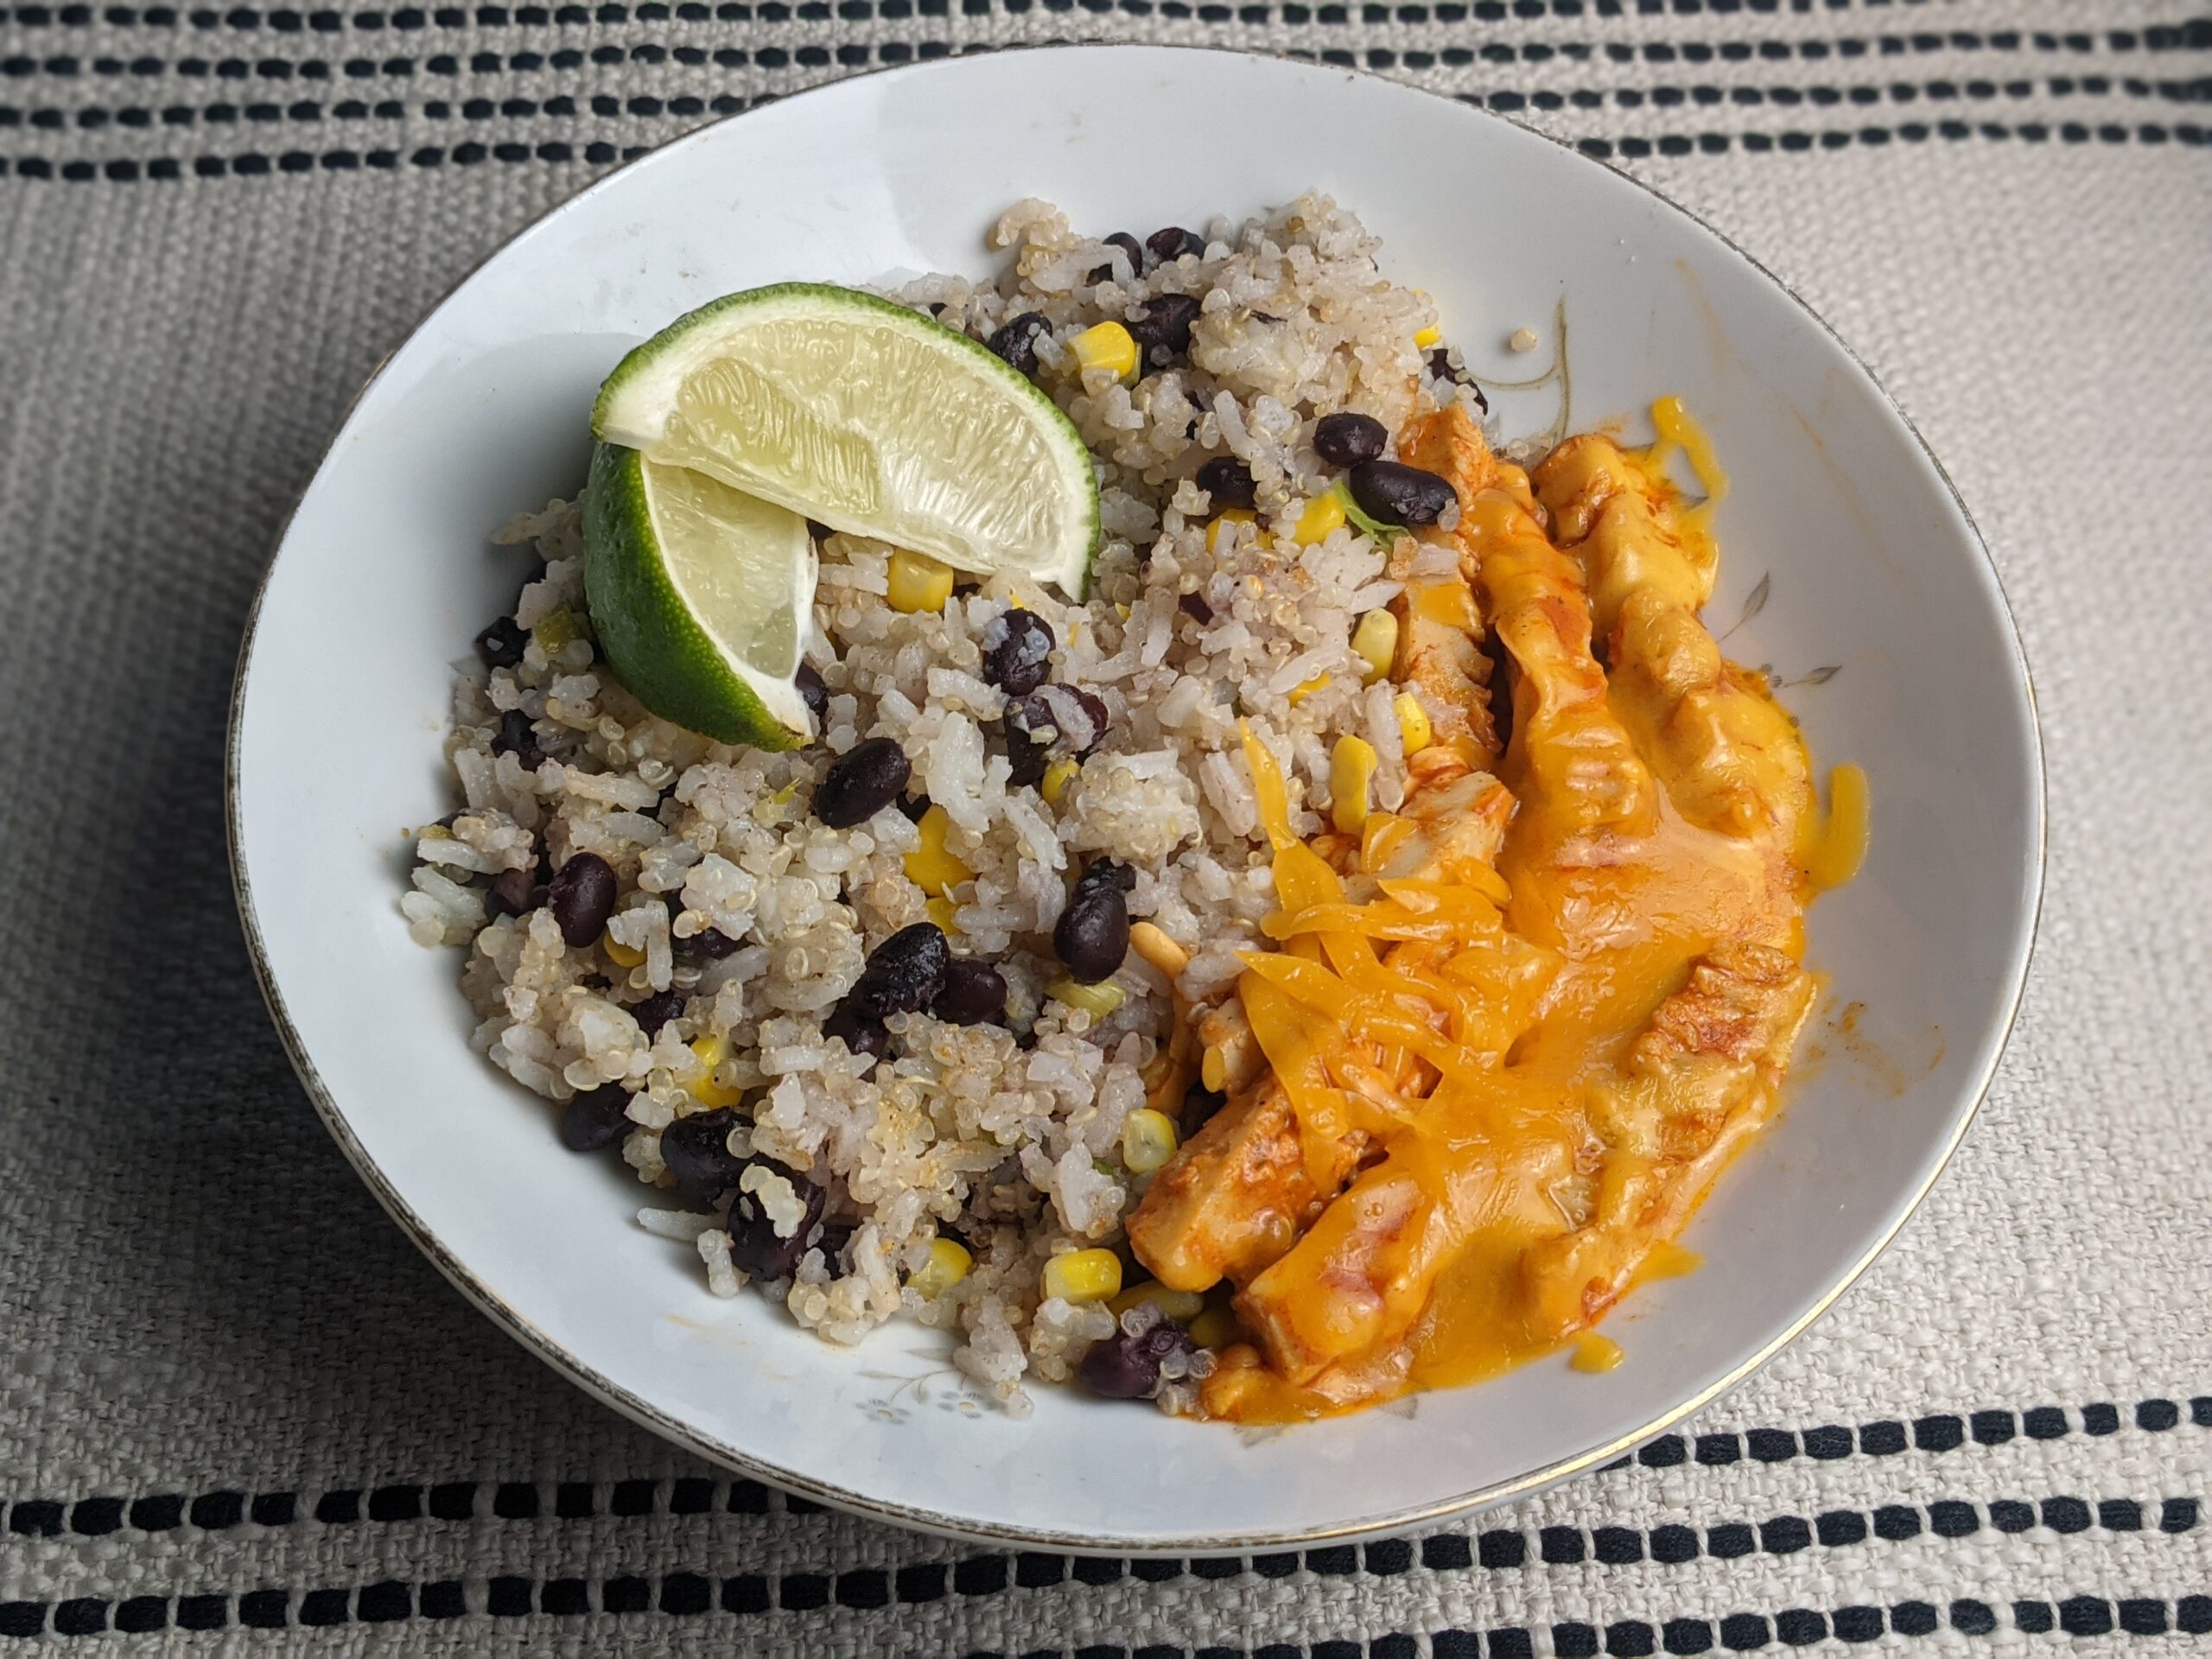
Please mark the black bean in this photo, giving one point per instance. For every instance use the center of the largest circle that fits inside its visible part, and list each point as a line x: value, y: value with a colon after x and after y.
x: 500, y: 645
x: 861, y: 782
x: 831, y: 1238
x: 1194, y: 606
x: 1108, y: 873
x: 1019, y: 663
x: 973, y: 992
x: 1099, y: 716
x: 1015, y: 340
x: 511, y: 895
x: 1344, y: 439
x: 696, y: 1150
x: 1061, y: 718
x: 1165, y: 325
x: 581, y: 894
x: 813, y: 693
x: 707, y: 944
x: 597, y: 1120
x: 1092, y: 936
x: 656, y: 1010
x: 1228, y: 482
x: 755, y: 1247
x: 518, y: 737
x: 1440, y: 366
x: 1398, y: 495
x: 860, y: 1034
x: 1123, y: 1367
x: 1199, y: 1103
x: 1171, y: 243
x: 1026, y: 758
x: 903, y: 974
x: 1127, y: 244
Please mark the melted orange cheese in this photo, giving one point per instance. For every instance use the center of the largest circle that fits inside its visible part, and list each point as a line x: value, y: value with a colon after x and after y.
x: 1515, y: 1069
x: 1595, y: 1353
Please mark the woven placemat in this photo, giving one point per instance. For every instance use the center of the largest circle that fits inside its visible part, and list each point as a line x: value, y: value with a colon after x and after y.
x: 238, y: 1411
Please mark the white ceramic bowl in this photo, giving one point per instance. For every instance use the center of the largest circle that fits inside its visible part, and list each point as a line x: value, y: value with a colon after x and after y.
x: 1874, y: 567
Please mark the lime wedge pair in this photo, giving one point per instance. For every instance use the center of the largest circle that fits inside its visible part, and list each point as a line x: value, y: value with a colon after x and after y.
x: 722, y: 436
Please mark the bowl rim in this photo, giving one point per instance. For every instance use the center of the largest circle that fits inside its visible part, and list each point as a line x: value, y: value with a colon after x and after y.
x: 642, y: 1412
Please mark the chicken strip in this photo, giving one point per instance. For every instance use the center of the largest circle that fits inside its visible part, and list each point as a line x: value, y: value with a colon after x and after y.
x: 1730, y: 758
x: 1241, y: 1190
x: 1662, y: 1045
x: 1440, y: 655
x: 1485, y: 1169
x: 1701, y: 1080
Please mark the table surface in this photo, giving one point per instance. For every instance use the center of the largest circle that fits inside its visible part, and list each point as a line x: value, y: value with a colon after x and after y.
x: 236, y: 1410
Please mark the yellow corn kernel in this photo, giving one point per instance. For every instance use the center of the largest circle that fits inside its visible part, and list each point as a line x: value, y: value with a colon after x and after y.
x: 1351, y: 768
x: 1213, y: 1070
x: 1306, y: 689
x: 1320, y: 517
x: 618, y: 953
x: 941, y: 911
x: 1106, y: 346
x: 1216, y: 1327
x: 1157, y: 948
x: 948, y: 1265
x: 1375, y: 640
x: 919, y: 583
x: 1083, y: 1275
x: 1058, y: 777
x: 1149, y: 1139
x: 1226, y: 516
x: 1414, y: 732
x: 1425, y: 338
x: 712, y: 1051
x: 554, y: 629
x: 1181, y: 1306
x: 1096, y: 1000
x: 931, y: 866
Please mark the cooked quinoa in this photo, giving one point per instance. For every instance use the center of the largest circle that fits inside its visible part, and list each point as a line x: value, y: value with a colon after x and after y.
x: 739, y: 922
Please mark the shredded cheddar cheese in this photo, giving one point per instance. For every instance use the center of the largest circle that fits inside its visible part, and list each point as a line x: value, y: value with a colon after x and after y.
x: 1506, y: 1036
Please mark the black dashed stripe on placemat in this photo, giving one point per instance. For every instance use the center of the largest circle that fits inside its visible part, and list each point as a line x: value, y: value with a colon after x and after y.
x: 288, y: 19
x: 696, y: 1594
x: 70, y: 66
x: 261, y: 164
x: 1497, y: 1549
x: 526, y: 1501
x: 2196, y: 36
x: 1938, y: 1431
x: 141, y: 117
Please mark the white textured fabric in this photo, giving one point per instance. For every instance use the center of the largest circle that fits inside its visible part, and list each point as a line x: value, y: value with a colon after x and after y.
x: 232, y: 1397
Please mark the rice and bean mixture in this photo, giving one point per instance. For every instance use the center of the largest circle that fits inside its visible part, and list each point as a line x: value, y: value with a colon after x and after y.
x: 710, y: 959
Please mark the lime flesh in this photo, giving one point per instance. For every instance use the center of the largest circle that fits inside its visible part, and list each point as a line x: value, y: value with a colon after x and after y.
x: 869, y: 417
x: 700, y: 596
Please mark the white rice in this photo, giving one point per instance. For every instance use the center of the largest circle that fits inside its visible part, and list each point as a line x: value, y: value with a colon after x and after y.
x: 1011, y: 1135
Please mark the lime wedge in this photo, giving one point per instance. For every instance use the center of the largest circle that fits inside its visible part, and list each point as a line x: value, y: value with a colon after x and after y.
x: 869, y: 417
x: 701, y: 596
